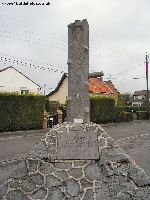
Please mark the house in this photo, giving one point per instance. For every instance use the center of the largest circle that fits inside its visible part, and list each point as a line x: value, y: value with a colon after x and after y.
x: 96, y: 87
x: 139, y: 97
x: 12, y: 80
x: 114, y: 90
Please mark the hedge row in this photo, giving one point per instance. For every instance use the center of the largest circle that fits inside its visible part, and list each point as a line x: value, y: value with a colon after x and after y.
x: 21, y: 112
x: 102, y: 109
x: 132, y: 108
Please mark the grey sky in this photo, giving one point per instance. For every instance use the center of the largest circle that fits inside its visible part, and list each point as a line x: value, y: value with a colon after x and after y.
x: 119, y: 38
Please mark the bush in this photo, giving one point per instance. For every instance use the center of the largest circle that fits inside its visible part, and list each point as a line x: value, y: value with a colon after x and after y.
x: 141, y: 115
x: 102, y: 109
x: 52, y: 106
x: 122, y: 116
x: 63, y: 108
x: 132, y: 108
x: 21, y: 112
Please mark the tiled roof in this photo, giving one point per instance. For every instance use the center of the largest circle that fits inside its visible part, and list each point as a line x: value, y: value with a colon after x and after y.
x: 97, y: 86
x: 111, y: 86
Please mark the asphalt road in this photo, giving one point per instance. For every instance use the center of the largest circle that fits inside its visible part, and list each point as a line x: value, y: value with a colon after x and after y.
x: 16, y: 145
x: 133, y: 137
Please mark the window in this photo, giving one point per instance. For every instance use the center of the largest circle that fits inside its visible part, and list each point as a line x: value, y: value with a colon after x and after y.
x: 24, y: 91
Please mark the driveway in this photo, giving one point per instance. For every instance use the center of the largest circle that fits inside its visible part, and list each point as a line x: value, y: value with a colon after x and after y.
x: 134, y: 138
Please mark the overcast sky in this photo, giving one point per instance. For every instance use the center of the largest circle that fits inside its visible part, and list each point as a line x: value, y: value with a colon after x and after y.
x: 37, y: 35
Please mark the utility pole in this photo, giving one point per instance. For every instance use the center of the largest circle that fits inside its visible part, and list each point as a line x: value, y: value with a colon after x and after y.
x: 147, y: 99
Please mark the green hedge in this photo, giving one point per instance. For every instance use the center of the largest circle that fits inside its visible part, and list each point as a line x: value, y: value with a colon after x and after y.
x: 21, y: 112
x: 102, y: 109
x: 121, y: 116
x: 52, y: 106
x: 132, y: 108
x: 142, y: 115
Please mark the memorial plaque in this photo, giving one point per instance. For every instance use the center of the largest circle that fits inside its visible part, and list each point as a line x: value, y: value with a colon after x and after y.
x: 77, y: 146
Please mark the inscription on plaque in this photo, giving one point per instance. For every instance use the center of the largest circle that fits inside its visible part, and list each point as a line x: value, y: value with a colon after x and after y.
x: 77, y: 146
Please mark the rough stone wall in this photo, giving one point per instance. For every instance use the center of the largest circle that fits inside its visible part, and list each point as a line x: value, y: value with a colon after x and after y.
x: 78, y: 70
x: 113, y: 177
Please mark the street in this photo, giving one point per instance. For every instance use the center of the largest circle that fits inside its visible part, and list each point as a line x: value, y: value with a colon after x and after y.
x: 133, y: 137
x: 17, y: 144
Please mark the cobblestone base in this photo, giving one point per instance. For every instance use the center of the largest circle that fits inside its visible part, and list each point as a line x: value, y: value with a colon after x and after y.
x: 113, y: 177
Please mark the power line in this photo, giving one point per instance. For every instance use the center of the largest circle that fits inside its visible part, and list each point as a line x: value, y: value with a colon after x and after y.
x: 27, y: 63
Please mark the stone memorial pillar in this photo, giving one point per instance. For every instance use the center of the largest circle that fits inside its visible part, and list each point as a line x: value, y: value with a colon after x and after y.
x: 78, y: 70
x: 76, y: 162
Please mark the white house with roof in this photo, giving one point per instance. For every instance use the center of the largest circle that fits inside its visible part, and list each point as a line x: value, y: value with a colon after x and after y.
x: 139, y: 97
x: 12, y: 80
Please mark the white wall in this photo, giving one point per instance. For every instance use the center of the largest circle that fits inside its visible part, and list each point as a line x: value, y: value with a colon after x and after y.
x: 137, y: 104
x: 61, y: 94
x: 12, y: 81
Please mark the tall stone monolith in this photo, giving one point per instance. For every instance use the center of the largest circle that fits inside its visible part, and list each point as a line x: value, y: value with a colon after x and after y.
x: 78, y: 70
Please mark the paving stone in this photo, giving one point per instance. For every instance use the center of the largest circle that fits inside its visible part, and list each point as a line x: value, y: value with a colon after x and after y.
x: 39, y: 194
x: 79, y: 163
x: 72, y: 187
x: 51, y: 181
x: 63, y: 165
x: 20, y: 171
x: 28, y: 185
x: 89, y: 195
x: 77, y: 127
x: 37, y: 178
x: 3, y: 189
x: 102, y: 194
x: 33, y: 164
x: 16, y: 195
x: 55, y: 194
x: 86, y: 183
x: 138, y: 176
x: 98, y: 184
x: 62, y: 174
x: 39, y: 151
x: 142, y: 194
x: 75, y: 172
x: 114, y: 155
x: 51, y: 139
x: 101, y: 142
x: 14, y: 183
x: 46, y: 167
x: 124, y: 196
x: 93, y: 172
x: 52, y: 132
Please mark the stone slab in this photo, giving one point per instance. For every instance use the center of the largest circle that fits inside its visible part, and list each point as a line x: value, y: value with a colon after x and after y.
x: 77, y: 146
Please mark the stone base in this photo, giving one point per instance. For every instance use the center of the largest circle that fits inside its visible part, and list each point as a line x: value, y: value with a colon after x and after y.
x: 114, y: 176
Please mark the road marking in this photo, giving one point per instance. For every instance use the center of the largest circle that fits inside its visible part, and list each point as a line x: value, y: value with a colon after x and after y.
x: 132, y: 137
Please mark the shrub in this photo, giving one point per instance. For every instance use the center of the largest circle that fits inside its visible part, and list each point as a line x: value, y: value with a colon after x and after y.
x: 21, y: 112
x: 52, y: 106
x: 141, y: 115
x: 132, y: 108
x: 102, y: 109
x: 122, y: 116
